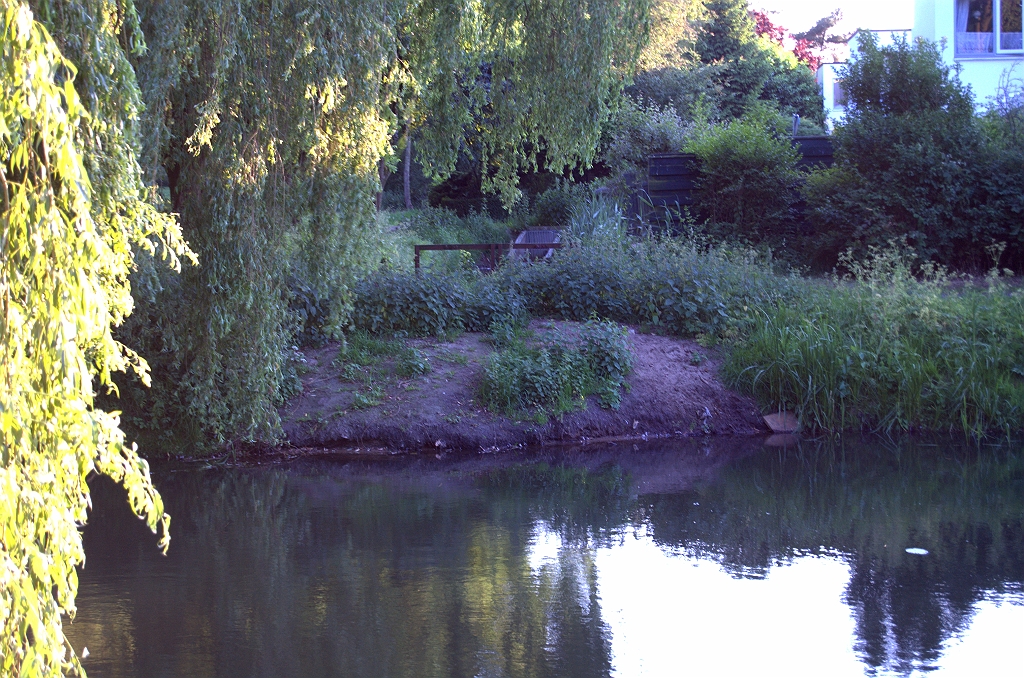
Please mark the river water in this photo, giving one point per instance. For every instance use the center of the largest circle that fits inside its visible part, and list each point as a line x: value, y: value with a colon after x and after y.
x: 680, y: 558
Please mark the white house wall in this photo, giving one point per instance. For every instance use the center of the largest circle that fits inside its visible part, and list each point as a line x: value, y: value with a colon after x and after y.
x: 827, y: 76
x: 924, y: 19
x: 983, y: 75
x: 934, y: 20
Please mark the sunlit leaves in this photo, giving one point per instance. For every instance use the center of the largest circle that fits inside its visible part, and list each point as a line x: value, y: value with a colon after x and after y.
x: 72, y: 208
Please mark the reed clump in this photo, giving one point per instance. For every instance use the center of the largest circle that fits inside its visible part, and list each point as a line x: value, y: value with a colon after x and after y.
x: 890, y: 347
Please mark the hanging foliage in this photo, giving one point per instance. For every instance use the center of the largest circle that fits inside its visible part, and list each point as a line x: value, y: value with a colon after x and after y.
x: 72, y: 208
x: 268, y: 122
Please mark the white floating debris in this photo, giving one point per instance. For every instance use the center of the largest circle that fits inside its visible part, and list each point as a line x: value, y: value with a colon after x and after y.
x: 917, y: 551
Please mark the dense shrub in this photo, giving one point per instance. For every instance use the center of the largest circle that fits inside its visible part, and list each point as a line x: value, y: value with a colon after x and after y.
x: 753, y: 70
x: 559, y: 373
x: 577, y: 283
x: 889, y: 350
x: 668, y: 285
x: 605, y: 347
x: 488, y: 301
x: 392, y: 302
x: 555, y: 206
x: 689, y: 91
x: 913, y: 160
x: 310, y: 312
x: 641, y: 129
x: 748, y: 178
x: 522, y: 377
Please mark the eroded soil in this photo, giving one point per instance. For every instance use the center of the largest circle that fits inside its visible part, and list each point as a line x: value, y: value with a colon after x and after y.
x: 673, y: 390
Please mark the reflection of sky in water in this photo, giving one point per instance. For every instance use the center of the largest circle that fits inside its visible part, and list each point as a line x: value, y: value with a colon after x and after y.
x: 623, y: 564
x: 672, y: 615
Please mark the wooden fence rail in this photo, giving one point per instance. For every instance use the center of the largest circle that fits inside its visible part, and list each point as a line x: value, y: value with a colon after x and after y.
x: 493, y: 249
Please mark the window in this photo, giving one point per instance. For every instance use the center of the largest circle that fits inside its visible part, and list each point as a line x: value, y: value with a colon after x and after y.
x: 838, y: 94
x: 987, y: 26
x: 1010, y: 26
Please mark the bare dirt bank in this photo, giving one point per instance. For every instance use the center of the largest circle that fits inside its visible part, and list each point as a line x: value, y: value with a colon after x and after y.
x: 673, y: 390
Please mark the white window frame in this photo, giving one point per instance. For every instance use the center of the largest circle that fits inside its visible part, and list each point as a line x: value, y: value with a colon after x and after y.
x: 997, y: 29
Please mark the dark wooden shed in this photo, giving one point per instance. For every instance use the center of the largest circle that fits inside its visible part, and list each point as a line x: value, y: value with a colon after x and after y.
x: 672, y: 178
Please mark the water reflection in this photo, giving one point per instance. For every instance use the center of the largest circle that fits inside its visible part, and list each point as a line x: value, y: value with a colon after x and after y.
x: 870, y: 503
x: 577, y: 563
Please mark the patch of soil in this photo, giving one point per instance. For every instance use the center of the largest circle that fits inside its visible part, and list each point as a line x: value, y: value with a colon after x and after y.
x: 673, y: 390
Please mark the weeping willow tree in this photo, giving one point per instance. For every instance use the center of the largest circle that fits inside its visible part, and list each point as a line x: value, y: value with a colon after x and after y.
x: 268, y: 121
x: 73, y: 212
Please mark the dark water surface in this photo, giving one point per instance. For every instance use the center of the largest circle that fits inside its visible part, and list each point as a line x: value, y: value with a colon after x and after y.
x: 682, y: 558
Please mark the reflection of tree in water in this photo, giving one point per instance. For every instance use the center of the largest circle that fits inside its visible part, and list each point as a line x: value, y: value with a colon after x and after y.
x: 870, y: 504
x: 302, y: 575
x: 907, y: 607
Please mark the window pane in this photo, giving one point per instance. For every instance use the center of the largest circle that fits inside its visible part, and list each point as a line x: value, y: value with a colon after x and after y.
x: 839, y: 94
x: 980, y: 17
x: 1010, y: 24
x: 974, y: 33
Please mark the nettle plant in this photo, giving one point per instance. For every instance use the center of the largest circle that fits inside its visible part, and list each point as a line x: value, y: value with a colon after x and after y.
x: 390, y: 302
x: 557, y: 374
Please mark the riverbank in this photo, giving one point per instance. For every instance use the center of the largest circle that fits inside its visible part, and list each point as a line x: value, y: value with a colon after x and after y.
x: 673, y: 390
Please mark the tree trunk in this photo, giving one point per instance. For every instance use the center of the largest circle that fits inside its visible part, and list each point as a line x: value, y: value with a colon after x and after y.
x: 407, y: 190
x: 383, y: 174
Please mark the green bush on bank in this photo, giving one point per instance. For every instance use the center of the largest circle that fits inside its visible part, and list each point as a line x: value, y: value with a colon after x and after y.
x: 560, y: 372
x: 392, y: 302
x: 670, y: 286
x: 667, y: 285
x: 487, y: 301
x: 886, y: 350
x: 913, y: 160
x: 555, y: 206
x: 748, y: 178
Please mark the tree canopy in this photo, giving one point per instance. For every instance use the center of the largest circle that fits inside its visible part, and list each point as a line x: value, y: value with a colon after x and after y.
x: 752, y: 67
x: 74, y: 212
x: 267, y: 122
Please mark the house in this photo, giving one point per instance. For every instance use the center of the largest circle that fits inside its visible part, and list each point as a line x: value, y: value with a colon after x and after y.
x: 983, y: 37
x: 829, y: 74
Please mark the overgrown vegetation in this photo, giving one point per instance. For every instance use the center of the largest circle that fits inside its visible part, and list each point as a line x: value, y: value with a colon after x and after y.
x: 558, y: 373
x: 748, y: 179
x: 890, y: 347
x: 272, y: 128
x: 894, y: 345
x: 669, y: 285
x: 706, y: 62
x: 913, y: 160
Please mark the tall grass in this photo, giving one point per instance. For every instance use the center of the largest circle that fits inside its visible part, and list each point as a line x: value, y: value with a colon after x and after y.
x: 889, y: 350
